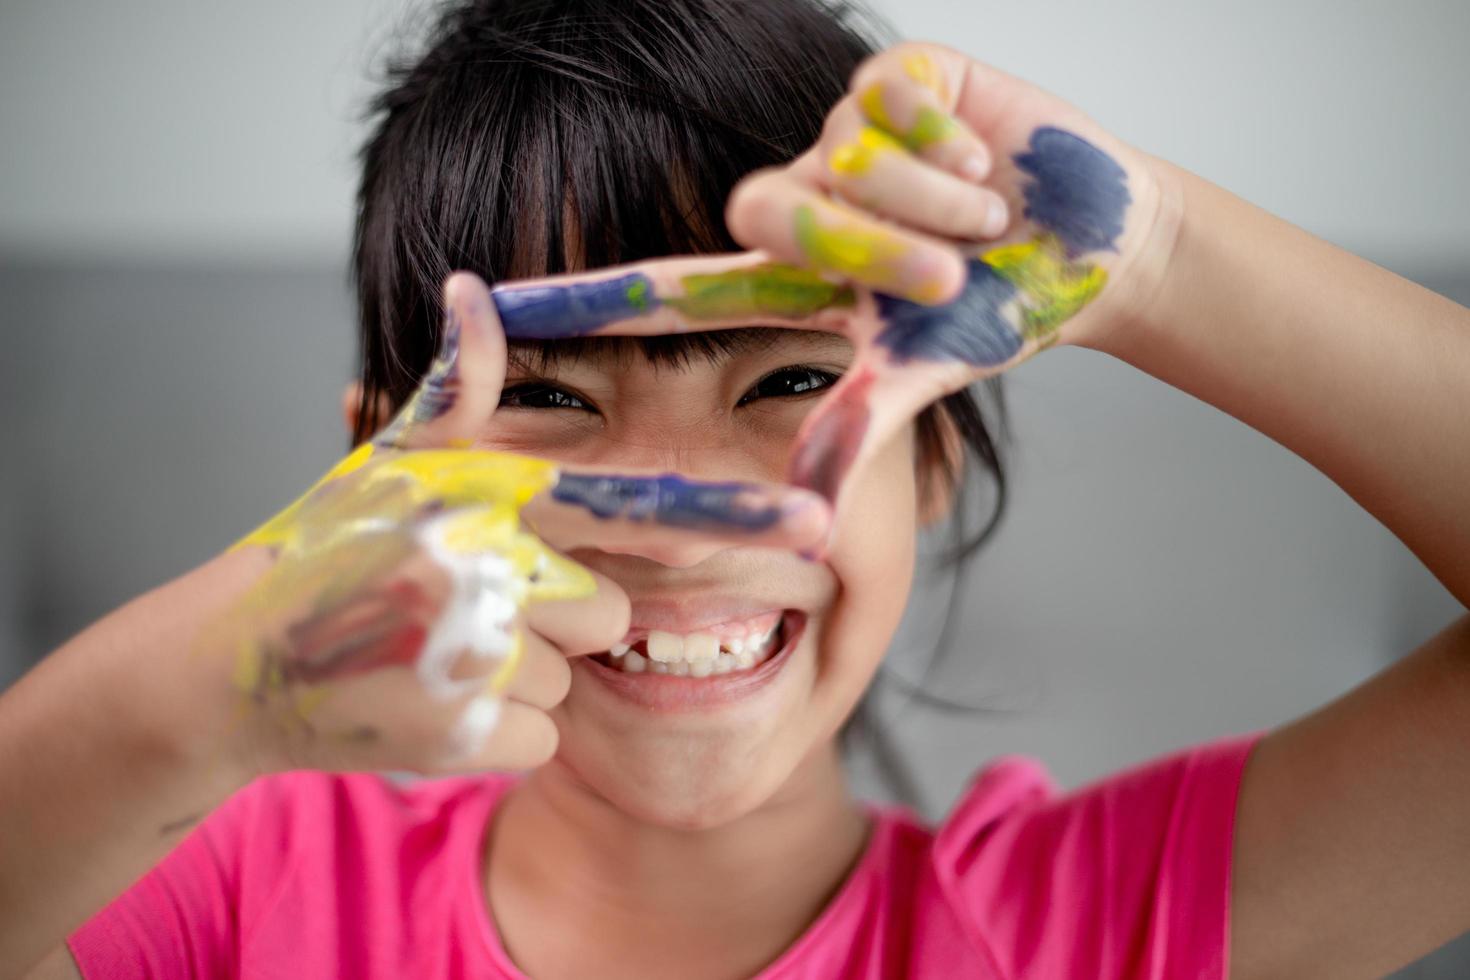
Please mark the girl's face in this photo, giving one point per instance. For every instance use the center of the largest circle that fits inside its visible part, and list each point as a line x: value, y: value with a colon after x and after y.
x: 696, y: 751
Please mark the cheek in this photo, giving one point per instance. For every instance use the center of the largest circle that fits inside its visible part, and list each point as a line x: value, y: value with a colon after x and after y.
x: 873, y: 557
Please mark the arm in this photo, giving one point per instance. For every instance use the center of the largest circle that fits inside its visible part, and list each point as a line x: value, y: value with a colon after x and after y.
x: 1351, y: 853
x: 399, y: 616
x: 107, y: 763
x: 1352, y: 846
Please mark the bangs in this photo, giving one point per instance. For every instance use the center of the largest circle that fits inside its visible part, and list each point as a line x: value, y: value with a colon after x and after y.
x: 544, y: 137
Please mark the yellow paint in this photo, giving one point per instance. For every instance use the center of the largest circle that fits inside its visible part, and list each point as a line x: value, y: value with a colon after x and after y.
x: 856, y: 159
x: 929, y: 293
x: 921, y: 69
x: 359, y: 523
x: 1055, y: 287
x: 363, y: 493
x: 870, y: 100
x: 851, y: 247
x: 281, y: 529
x: 930, y: 125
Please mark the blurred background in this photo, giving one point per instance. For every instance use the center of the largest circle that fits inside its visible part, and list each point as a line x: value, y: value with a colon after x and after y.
x: 176, y: 183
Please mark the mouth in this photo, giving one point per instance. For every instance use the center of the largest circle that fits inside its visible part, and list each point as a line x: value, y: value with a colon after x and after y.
x: 718, y: 663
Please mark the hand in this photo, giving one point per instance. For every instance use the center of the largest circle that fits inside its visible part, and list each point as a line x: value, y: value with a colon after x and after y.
x: 402, y: 623
x: 930, y: 155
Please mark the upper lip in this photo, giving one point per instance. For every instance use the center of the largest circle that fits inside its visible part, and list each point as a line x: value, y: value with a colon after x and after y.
x: 690, y: 614
x: 728, y: 587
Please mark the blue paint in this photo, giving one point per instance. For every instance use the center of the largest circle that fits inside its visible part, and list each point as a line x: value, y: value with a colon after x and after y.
x: 558, y: 312
x: 668, y: 499
x: 1079, y: 193
x: 970, y: 329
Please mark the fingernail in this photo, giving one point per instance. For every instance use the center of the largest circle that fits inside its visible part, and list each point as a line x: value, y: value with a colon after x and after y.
x: 997, y: 217
x: 975, y: 167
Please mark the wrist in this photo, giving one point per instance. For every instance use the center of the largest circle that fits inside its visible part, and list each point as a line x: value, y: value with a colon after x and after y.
x: 1150, y: 262
x: 172, y: 691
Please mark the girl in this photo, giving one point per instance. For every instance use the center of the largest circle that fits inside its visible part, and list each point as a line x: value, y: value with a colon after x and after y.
x: 920, y: 221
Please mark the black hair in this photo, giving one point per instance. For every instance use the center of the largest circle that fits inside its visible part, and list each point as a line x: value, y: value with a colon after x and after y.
x: 531, y: 137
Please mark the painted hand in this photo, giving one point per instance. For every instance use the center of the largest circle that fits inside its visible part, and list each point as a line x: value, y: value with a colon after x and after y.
x: 414, y: 614
x: 875, y: 232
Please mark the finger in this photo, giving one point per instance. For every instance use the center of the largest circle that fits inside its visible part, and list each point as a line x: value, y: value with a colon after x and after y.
x: 673, y: 296
x: 543, y: 676
x: 518, y: 736
x: 582, y: 626
x: 462, y: 387
x: 919, y: 355
x: 648, y: 513
x: 866, y: 164
x: 872, y: 403
x: 907, y: 93
x: 778, y: 211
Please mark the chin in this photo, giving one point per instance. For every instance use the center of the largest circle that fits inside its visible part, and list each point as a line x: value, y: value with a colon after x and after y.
x: 678, y: 784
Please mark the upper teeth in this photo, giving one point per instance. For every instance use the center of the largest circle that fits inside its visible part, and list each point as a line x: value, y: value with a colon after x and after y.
x: 700, y: 648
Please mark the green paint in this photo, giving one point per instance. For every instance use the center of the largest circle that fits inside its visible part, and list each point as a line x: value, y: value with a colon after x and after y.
x: 848, y: 246
x: 771, y: 289
x: 637, y: 295
x: 930, y: 126
x: 1055, y: 287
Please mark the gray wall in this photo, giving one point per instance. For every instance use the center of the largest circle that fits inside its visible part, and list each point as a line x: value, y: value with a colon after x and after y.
x: 175, y: 186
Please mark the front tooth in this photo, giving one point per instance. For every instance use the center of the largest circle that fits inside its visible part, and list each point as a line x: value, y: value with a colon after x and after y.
x: 701, y: 646
x: 618, y: 649
x: 665, y: 647
x: 679, y: 668
x: 701, y: 668
x: 635, y: 662
x: 658, y: 667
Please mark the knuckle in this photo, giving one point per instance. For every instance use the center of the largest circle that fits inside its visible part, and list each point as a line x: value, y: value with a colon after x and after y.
x: 872, y: 68
x: 542, y: 744
x: 838, y: 125
x: 750, y: 201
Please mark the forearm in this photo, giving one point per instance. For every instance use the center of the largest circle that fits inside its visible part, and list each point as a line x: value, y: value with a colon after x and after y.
x: 1360, y: 372
x: 109, y: 751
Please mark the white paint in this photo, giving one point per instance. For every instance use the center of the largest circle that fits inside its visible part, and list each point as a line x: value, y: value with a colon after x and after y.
x: 473, y: 729
x: 478, y: 616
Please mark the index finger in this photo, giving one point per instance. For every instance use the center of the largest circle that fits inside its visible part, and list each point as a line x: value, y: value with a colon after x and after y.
x: 672, y: 517
x: 679, y: 295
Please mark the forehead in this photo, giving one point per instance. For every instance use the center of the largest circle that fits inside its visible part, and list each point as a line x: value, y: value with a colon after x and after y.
x: 680, y: 352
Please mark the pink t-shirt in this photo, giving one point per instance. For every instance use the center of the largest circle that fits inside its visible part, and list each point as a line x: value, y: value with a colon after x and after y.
x: 310, y: 875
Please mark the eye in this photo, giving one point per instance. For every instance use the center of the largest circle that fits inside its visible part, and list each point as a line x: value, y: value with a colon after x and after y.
x: 538, y: 394
x: 789, y: 382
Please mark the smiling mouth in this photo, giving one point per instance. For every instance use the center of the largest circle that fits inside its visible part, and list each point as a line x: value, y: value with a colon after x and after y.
x: 731, y: 648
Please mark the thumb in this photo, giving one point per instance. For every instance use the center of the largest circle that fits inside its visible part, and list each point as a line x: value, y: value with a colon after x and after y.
x: 462, y: 387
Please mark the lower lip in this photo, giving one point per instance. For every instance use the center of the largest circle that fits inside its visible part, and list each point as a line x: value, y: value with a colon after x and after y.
x: 665, y: 692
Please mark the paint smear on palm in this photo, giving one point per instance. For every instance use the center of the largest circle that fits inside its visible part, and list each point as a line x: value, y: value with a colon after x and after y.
x: 340, y: 542
x: 1015, y: 299
x: 342, y: 538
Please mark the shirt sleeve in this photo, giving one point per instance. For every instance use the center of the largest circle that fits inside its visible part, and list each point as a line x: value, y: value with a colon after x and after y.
x: 180, y: 919
x: 1127, y: 877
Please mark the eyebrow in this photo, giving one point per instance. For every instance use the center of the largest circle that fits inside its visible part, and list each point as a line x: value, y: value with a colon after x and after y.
x: 677, y: 351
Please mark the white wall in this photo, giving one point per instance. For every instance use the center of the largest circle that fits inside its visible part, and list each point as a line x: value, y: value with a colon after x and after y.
x: 204, y: 130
